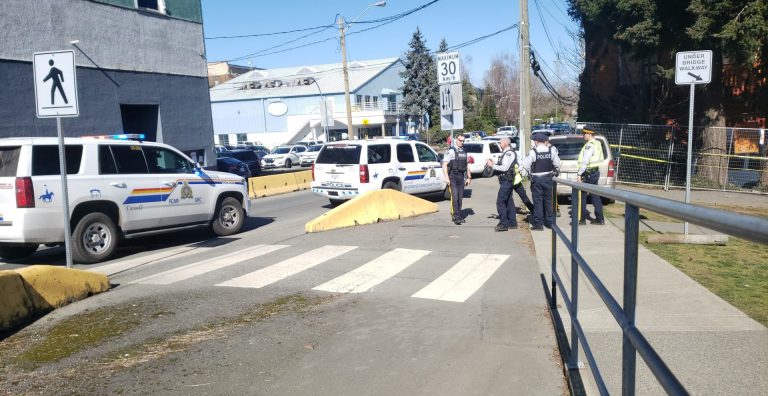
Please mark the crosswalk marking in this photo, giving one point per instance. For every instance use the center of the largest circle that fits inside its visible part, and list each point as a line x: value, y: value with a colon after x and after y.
x: 205, y: 266
x: 463, y: 279
x: 286, y: 268
x: 120, y: 266
x: 374, y: 272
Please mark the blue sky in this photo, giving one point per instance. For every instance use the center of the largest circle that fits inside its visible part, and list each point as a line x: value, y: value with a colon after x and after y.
x: 456, y: 20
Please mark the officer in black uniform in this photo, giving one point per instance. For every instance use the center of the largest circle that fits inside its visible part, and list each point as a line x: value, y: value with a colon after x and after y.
x: 455, y: 168
x: 505, y: 202
x: 541, y: 164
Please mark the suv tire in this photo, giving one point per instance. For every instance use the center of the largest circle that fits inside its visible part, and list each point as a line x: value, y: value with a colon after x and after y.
x: 17, y: 252
x: 288, y: 164
x: 229, y: 217
x: 390, y: 185
x: 335, y: 202
x: 94, y: 238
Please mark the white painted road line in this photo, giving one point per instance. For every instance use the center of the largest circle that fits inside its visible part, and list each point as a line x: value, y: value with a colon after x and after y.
x: 463, y: 279
x: 273, y: 273
x: 114, y: 268
x: 205, y: 266
x: 374, y: 272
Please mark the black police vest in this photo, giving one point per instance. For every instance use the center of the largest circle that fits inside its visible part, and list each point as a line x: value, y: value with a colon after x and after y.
x: 543, y: 162
x: 459, y: 161
x: 509, y: 174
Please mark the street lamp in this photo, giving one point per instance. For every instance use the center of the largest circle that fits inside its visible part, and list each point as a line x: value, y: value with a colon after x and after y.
x: 342, y: 30
x: 323, y: 112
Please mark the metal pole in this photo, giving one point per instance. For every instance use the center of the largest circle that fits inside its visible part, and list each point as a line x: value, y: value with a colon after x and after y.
x: 629, y: 354
x: 64, y: 194
x: 669, y: 159
x: 690, y: 154
x: 346, y: 78
x: 553, y: 302
x: 573, y: 358
x: 618, y: 160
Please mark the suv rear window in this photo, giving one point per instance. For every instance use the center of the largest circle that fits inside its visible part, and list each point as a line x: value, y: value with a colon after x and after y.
x: 473, y: 148
x: 45, y: 159
x: 346, y: 154
x: 405, y: 153
x: 9, y: 160
x: 129, y: 159
x: 379, y: 153
x: 569, y: 148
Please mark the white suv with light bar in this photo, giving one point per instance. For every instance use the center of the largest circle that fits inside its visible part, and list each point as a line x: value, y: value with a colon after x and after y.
x: 344, y: 170
x: 117, y: 189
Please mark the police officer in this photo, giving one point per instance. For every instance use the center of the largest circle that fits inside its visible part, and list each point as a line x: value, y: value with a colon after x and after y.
x: 541, y: 164
x: 455, y: 168
x: 590, y: 157
x: 505, y: 202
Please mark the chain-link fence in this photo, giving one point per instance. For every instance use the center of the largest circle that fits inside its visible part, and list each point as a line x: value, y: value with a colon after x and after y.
x: 732, y: 159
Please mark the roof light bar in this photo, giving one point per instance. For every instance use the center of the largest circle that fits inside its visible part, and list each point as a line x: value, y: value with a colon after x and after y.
x: 123, y: 136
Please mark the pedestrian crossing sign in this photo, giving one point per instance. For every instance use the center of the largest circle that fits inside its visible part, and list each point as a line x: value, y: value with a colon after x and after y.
x: 55, y: 84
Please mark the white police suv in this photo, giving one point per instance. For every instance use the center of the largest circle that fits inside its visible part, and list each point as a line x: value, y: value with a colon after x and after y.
x: 118, y: 188
x: 344, y: 170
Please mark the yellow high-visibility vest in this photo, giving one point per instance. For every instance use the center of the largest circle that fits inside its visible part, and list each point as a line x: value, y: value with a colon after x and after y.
x: 597, y: 155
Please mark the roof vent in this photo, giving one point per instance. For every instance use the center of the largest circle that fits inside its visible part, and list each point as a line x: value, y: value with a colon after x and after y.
x: 357, y: 64
x: 306, y: 70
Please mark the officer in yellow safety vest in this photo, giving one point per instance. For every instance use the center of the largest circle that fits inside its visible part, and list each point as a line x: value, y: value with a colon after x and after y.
x: 590, y: 157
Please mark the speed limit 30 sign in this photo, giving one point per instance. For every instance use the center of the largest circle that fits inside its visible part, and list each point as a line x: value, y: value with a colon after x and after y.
x: 448, y: 68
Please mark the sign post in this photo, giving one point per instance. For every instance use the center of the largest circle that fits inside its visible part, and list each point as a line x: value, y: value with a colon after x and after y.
x: 451, y: 103
x: 691, y: 68
x: 56, y: 71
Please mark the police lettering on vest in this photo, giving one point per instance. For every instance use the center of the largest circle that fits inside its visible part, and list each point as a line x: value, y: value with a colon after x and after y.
x: 459, y: 161
x: 543, y: 162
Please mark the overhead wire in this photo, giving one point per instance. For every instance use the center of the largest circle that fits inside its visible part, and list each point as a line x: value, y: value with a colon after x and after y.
x: 268, y: 34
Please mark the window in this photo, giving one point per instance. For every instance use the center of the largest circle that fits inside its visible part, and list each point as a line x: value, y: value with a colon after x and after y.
x: 367, y: 99
x: 107, y: 164
x: 473, y: 148
x: 346, y: 154
x: 379, y: 153
x: 359, y: 99
x: 161, y: 160
x: 405, y: 153
x: 154, y: 5
x: 495, y: 148
x: 129, y: 159
x: 224, y: 140
x: 9, y: 160
x: 241, y: 138
x: 375, y: 102
x: 425, y: 153
x: 45, y: 159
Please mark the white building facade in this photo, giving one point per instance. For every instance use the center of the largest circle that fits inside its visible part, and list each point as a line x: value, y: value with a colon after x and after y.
x: 284, y: 106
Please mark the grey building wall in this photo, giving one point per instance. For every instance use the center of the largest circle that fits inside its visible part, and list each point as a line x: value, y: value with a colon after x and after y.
x: 125, y: 56
x: 111, y: 37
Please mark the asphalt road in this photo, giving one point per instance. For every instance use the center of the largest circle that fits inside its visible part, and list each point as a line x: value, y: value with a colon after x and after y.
x: 416, y: 306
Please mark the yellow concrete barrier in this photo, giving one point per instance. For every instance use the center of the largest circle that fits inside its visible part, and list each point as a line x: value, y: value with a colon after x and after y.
x: 264, y: 186
x: 41, y: 288
x: 303, y: 179
x: 371, y: 207
x: 15, y: 305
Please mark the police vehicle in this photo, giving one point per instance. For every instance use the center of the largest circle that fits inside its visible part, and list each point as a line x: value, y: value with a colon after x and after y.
x: 344, y: 170
x: 118, y: 188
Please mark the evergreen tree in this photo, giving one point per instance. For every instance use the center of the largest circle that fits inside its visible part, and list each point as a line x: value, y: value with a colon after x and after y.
x: 420, y: 92
x: 443, y: 47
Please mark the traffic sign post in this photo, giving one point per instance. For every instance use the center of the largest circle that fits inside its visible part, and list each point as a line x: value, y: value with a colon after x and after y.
x: 692, y: 68
x: 448, y: 68
x: 56, y: 96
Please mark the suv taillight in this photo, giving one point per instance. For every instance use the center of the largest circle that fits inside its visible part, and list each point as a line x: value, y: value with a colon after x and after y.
x: 25, y: 192
x: 313, y: 172
x: 363, y: 173
x: 611, y: 168
x: 471, y: 159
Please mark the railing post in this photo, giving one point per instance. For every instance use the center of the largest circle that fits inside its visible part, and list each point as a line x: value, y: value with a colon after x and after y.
x: 573, y: 359
x: 629, y: 354
x: 552, y: 221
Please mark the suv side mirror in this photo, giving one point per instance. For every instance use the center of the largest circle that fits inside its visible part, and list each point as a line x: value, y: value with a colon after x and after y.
x: 440, y: 157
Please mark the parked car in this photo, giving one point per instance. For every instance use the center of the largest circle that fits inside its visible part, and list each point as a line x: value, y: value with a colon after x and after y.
x: 474, y: 135
x: 308, y: 157
x: 247, y: 156
x: 479, y: 152
x: 507, y: 130
x: 569, y: 147
x: 283, y: 156
x: 234, y: 166
x: 117, y: 189
x: 561, y: 128
x: 345, y: 170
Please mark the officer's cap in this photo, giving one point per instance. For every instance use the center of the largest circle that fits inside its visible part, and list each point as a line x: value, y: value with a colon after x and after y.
x: 540, y: 137
x: 589, y: 131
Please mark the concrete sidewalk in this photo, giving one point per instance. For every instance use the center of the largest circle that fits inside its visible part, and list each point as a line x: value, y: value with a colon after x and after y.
x: 712, y: 347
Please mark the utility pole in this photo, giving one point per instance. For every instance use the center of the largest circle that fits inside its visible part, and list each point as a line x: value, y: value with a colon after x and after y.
x: 557, y: 73
x: 525, y: 78
x: 346, y: 78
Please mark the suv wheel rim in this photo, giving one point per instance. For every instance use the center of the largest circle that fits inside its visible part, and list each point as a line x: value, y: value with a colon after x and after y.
x: 228, y: 217
x: 96, y: 238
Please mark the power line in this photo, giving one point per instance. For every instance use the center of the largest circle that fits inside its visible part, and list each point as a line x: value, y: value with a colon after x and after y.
x: 269, y: 34
x: 400, y: 15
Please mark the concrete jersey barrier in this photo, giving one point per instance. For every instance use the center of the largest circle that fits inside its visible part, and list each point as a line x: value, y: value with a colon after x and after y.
x: 265, y: 186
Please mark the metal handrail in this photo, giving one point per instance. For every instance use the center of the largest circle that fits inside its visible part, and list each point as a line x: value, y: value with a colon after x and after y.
x: 747, y: 227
